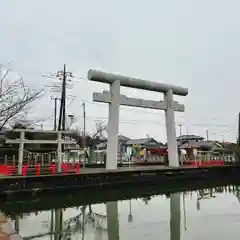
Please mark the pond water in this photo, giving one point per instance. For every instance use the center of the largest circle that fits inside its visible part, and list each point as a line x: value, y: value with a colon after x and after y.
x: 204, y: 214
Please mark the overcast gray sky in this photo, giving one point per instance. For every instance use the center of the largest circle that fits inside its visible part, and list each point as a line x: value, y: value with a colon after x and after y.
x: 194, y: 44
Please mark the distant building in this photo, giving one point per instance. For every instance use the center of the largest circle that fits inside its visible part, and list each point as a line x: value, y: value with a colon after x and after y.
x: 141, y: 142
x: 188, y: 140
x: 126, y: 144
x: 196, y: 145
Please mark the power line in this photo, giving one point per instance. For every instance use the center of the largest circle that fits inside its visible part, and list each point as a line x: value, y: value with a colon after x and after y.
x: 133, y: 121
x: 152, y: 113
x: 57, y: 88
x: 77, y: 78
x: 190, y: 124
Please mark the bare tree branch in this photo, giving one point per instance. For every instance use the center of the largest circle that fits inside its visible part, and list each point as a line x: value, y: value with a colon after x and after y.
x: 27, y: 123
x: 15, y: 98
x: 101, y: 129
x: 91, y: 140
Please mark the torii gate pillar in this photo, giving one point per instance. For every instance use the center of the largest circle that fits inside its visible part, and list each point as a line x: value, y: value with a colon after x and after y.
x: 171, y: 130
x: 113, y: 125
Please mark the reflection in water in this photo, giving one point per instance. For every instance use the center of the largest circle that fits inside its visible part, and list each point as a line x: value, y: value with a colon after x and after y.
x: 114, y: 220
x: 175, y: 216
x: 16, y: 223
x: 203, y: 194
x: 58, y: 224
x: 184, y: 213
x: 130, y: 216
x: 51, y: 224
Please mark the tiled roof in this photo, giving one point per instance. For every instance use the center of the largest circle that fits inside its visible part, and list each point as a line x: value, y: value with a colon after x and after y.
x: 140, y: 141
x: 189, y: 137
x: 123, y: 138
x: 206, y: 144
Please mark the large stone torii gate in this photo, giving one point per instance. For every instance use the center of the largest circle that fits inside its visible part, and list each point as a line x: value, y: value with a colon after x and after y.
x: 115, y: 99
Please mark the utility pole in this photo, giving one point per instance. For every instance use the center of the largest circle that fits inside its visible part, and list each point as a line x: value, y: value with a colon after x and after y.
x: 223, y: 137
x: 239, y: 129
x: 84, y: 131
x: 62, y: 75
x: 84, y: 119
x: 55, y: 112
x: 180, y: 129
x: 238, y: 141
x: 64, y: 99
x: 62, y: 113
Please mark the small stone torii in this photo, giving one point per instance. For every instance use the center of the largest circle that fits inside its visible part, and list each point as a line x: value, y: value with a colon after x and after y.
x: 59, y: 141
x: 115, y: 99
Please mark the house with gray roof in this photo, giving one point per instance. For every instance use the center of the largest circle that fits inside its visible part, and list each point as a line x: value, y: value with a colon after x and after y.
x: 141, y: 141
x: 202, y: 145
x: 189, y: 139
x: 121, y: 141
x: 196, y: 143
x: 125, y: 142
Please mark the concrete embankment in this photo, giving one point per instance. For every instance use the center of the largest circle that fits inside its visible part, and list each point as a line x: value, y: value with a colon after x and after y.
x: 7, y: 232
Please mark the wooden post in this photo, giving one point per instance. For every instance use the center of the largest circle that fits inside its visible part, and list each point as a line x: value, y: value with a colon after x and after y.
x: 35, y: 159
x: 238, y: 141
x: 49, y: 158
x: 14, y: 160
x: 42, y: 159
x: 59, y: 152
x: 20, y: 152
x: 6, y: 159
